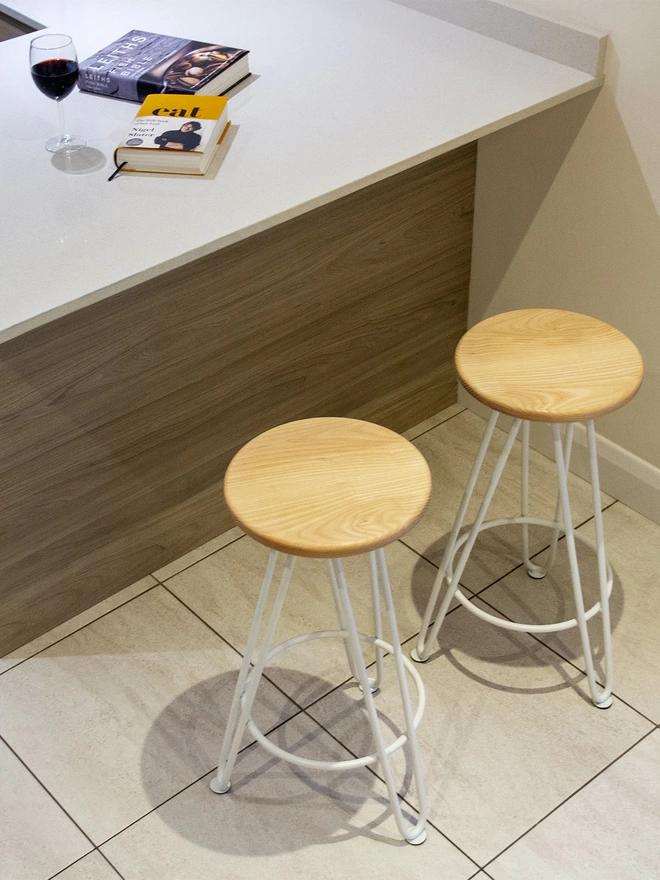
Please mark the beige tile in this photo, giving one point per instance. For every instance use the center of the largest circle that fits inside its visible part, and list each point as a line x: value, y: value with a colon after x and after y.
x: 507, y: 733
x: 75, y: 623
x: 37, y: 839
x: 167, y: 571
x: 633, y: 548
x: 450, y: 450
x: 609, y: 831
x: 435, y: 420
x: 281, y: 821
x: 127, y: 711
x: 92, y: 867
x: 223, y: 590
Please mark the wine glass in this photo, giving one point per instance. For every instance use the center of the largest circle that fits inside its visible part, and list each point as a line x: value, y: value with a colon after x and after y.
x: 54, y: 67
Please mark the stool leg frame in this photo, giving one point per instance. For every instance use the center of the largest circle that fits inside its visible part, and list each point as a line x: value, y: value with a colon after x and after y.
x: 601, y: 699
x: 246, y: 690
x: 421, y: 653
x: 416, y: 833
x: 533, y: 570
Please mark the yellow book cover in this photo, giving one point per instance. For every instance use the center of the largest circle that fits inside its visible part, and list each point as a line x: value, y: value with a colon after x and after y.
x: 185, y: 127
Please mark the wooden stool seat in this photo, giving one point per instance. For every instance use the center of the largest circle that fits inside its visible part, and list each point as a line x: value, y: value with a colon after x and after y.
x: 547, y: 365
x: 327, y: 487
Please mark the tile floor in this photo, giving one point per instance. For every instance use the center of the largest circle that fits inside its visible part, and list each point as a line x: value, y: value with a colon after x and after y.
x: 110, y: 725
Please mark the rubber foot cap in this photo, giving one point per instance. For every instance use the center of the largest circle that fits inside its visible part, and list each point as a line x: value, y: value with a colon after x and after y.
x: 419, y: 840
x: 414, y: 655
x: 213, y: 785
x: 605, y: 704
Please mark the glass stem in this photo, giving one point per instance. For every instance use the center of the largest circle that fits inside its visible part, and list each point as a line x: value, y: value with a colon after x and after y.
x: 60, y: 114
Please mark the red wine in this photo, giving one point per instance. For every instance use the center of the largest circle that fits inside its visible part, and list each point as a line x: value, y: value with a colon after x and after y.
x: 55, y: 77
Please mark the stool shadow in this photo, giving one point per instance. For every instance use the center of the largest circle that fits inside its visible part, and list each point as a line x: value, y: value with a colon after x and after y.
x: 291, y: 807
x: 526, y: 600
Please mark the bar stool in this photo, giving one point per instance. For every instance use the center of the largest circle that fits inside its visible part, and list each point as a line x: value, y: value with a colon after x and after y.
x: 540, y: 365
x: 329, y: 488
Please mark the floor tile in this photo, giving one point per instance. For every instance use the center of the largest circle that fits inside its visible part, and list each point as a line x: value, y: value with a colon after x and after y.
x: 127, y: 711
x: 92, y: 867
x: 65, y: 629
x: 37, y: 839
x: 450, y: 450
x: 507, y: 733
x: 167, y: 571
x: 281, y: 821
x: 223, y: 590
x: 437, y: 419
x: 609, y: 831
x: 633, y: 548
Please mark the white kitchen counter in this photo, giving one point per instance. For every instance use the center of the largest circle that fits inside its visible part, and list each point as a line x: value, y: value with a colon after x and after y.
x: 344, y: 93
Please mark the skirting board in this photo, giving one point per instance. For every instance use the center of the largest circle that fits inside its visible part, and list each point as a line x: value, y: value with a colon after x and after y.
x: 578, y: 48
x: 623, y: 474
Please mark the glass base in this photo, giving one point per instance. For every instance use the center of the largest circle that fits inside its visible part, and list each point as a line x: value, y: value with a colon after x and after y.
x: 65, y: 143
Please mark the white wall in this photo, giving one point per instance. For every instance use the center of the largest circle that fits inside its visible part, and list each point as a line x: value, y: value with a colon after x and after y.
x: 567, y: 210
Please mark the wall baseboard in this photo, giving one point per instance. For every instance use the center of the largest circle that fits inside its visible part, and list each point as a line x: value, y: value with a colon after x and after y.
x: 579, y: 48
x: 623, y: 474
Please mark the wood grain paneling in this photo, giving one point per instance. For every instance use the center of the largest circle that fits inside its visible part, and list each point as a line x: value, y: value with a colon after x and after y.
x: 118, y: 420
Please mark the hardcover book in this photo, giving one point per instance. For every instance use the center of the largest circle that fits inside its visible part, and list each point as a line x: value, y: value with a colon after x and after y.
x: 141, y: 63
x: 174, y: 134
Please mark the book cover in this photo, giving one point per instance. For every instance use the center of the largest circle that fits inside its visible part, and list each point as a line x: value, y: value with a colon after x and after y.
x: 142, y: 63
x: 176, y: 122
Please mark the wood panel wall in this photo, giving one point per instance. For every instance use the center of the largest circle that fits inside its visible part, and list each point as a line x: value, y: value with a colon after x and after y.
x: 118, y: 421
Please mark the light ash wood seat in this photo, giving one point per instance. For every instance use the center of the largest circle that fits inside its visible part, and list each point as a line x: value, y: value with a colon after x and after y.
x: 548, y: 365
x: 330, y: 488
x: 539, y: 365
x: 327, y: 487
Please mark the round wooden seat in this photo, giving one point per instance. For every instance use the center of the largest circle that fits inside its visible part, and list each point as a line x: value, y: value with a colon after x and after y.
x: 327, y: 487
x: 547, y: 365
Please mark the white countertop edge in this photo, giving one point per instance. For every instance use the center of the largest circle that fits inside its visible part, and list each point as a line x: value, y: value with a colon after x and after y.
x: 60, y: 311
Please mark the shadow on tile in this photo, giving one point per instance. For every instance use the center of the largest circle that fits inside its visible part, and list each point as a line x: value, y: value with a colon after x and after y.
x: 278, y: 789
x: 526, y: 600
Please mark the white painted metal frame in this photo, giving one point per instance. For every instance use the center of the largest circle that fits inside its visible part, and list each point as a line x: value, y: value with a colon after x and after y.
x: 248, y: 682
x: 602, y: 698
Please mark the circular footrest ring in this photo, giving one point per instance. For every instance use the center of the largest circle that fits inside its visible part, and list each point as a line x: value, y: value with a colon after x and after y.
x: 526, y: 627
x: 352, y: 763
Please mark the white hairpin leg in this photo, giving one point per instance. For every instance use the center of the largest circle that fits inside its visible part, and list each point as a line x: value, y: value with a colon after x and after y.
x: 533, y: 570
x: 421, y: 652
x: 601, y: 698
x: 246, y: 687
x: 416, y: 833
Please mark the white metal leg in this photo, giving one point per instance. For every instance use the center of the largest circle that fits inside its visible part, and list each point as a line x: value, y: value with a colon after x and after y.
x: 248, y: 682
x: 601, y: 699
x: 562, y: 523
x: 533, y: 570
x: 340, y: 616
x: 421, y: 653
x: 378, y: 621
x: 416, y: 833
x: 246, y: 688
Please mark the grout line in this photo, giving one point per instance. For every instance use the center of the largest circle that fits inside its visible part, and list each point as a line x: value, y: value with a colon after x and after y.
x: 52, y: 796
x: 443, y: 422
x: 80, y: 628
x: 194, y: 782
x: 201, y: 559
x: 110, y: 863
x: 570, y: 796
x: 234, y: 648
x: 380, y: 778
x: 96, y: 849
x: 62, y: 870
x: 567, y: 660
